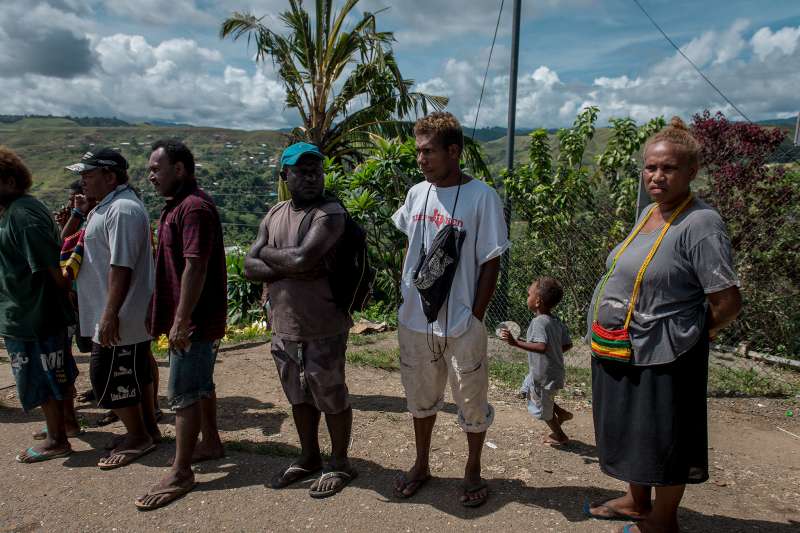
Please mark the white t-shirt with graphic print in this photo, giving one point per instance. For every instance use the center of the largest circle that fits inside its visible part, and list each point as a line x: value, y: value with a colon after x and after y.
x: 480, y: 214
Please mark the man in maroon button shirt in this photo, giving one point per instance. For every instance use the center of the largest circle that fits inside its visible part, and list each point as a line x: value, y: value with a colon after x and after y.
x: 189, y: 306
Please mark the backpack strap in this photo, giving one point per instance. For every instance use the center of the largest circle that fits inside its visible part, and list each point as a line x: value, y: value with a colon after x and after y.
x: 308, y: 216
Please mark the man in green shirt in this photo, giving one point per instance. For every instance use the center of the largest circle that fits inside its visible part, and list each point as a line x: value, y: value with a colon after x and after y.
x: 34, y: 309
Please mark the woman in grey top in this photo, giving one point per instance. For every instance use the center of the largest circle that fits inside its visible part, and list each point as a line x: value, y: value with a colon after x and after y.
x: 650, y: 339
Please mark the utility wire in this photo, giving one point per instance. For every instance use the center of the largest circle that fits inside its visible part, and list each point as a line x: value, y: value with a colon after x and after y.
x: 486, y: 73
x: 706, y: 78
x: 689, y: 60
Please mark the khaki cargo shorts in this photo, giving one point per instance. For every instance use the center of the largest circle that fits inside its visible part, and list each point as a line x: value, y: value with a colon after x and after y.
x: 464, y: 363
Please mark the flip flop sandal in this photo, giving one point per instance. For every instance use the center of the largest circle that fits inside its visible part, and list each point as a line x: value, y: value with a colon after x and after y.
x: 37, y: 457
x: 172, y: 493
x: 615, y: 515
x: 472, y: 489
x: 70, y: 435
x: 409, y: 484
x: 292, y: 474
x: 346, y: 478
x: 628, y: 528
x: 129, y: 457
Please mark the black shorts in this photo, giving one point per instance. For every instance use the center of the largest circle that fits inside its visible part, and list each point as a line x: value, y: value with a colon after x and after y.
x: 118, y: 374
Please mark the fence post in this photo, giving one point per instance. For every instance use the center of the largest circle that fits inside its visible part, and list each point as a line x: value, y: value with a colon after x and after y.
x: 642, y: 198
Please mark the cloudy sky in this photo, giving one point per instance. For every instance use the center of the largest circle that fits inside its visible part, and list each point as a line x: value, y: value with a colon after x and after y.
x: 162, y: 59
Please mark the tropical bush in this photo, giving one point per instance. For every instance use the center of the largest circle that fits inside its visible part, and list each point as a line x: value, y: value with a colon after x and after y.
x: 566, y: 215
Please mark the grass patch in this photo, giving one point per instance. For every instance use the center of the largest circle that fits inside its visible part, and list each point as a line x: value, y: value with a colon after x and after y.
x: 361, y: 340
x: 383, y: 359
x: 272, y: 449
x: 723, y: 381
x: 510, y: 374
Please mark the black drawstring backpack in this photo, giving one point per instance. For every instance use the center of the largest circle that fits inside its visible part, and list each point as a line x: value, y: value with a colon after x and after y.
x: 436, y: 268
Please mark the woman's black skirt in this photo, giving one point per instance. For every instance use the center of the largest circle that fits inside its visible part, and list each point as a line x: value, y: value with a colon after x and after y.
x: 650, y: 422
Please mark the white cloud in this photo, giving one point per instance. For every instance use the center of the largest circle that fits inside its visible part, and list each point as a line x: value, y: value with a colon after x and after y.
x: 172, y: 80
x: 785, y: 41
x: 760, y: 75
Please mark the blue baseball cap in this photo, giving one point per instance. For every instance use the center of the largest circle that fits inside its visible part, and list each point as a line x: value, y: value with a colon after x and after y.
x: 293, y: 153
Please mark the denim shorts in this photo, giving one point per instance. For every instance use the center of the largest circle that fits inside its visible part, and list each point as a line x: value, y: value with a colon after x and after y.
x: 43, y: 369
x: 191, y: 373
x: 541, y: 402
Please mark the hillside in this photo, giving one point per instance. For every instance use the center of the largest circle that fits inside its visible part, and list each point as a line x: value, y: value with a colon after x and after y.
x: 237, y: 167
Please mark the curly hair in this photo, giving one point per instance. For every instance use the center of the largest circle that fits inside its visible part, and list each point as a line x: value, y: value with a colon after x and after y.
x: 549, y: 290
x: 444, y: 127
x: 176, y: 152
x: 12, y: 167
x: 678, y: 134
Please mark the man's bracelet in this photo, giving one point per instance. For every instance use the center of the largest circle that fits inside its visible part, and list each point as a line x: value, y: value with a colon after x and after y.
x: 78, y: 213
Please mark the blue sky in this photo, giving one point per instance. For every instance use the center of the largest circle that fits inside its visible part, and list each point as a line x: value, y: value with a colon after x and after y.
x: 162, y: 59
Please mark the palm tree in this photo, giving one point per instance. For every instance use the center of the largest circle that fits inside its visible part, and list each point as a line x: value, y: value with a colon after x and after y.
x: 344, y: 83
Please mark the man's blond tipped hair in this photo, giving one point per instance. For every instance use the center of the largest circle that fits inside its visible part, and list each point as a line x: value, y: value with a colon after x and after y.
x: 444, y: 127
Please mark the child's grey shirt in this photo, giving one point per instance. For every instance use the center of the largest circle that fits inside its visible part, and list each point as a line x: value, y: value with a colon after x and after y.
x: 547, y: 369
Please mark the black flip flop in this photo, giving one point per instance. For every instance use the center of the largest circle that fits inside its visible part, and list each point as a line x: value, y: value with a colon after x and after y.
x: 292, y: 474
x: 346, y: 478
x: 472, y: 489
x: 413, y: 484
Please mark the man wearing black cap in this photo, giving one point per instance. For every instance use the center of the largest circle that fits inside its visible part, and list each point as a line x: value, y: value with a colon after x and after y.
x: 309, y: 331
x: 115, y: 283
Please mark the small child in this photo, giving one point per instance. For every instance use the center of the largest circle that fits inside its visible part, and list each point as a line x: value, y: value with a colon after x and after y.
x: 546, y: 341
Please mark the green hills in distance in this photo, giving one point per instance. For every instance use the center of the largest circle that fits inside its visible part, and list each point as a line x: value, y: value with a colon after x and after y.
x: 237, y: 167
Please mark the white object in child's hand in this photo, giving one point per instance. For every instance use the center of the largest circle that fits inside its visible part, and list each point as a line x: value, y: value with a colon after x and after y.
x: 509, y: 325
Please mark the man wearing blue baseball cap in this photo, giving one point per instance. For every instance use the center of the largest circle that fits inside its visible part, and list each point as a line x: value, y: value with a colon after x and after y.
x: 295, y: 242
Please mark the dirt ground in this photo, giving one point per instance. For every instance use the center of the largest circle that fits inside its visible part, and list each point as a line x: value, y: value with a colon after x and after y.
x: 754, y: 486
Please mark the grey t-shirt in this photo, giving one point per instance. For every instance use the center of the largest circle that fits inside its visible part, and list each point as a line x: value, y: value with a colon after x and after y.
x: 694, y: 259
x: 547, y: 369
x: 117, y: 233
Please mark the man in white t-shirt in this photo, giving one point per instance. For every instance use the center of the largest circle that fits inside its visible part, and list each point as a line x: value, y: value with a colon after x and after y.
x: 453, y: 347
x: 115, y: 284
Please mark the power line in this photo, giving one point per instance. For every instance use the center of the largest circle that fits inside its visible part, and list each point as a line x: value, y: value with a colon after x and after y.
x: 692, y: 63
x: 486, y: 73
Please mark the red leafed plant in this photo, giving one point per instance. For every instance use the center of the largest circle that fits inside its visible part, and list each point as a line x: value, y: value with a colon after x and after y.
x: 759, y: 202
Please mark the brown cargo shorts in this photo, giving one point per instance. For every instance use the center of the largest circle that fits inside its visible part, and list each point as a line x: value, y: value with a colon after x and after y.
x: 312, y: 372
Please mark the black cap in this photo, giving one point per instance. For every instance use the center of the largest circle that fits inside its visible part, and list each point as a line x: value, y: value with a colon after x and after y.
x: 103, y: 158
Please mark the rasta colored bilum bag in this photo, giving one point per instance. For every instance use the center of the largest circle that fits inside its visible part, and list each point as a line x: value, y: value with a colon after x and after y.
x: 436, y: 268
x: 349, y: 273
x: 615, y: 344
